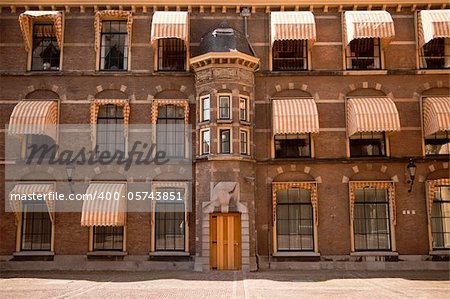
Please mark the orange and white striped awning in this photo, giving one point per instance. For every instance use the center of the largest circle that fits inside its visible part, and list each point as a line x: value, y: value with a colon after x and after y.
x: 103, y: 15
x: 368, y: 24
x: 292, y: 25
x: 29, y: 189
x: 433, y: 24
x: 27, y: 18
x: 436, y: 115
x: 296, y: 116
x: 34, y: 117
x: 170, y: 24
x: 104, y: 205
x: 372, y: 115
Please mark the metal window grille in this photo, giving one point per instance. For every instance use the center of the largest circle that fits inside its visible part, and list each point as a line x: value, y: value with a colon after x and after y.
x: 171, y: 54
x: 440, y: 218
x: 363, y: 54
x: 435, y: 54
x: 108, y: 238
x: 36, y: 227
x: 290, y: 55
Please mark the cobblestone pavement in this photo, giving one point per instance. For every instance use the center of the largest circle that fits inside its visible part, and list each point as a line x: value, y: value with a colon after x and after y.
x: 265, y: 284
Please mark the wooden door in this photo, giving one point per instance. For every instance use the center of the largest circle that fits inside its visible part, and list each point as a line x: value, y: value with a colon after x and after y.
x: 225, y: 241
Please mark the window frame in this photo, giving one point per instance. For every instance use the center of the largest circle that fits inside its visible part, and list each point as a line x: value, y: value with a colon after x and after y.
x: 311, y: 147
x: 116, y: 107
x: 202, y: 108
x: 94, y: 235
x: 346, y: 56
x: 159, y: 51
x: 247, y: 142
x: 220, y: 130
x: 30, y: 54
x: 246, y: 110
x: 202, y: 131
x: 127, y: 52
x: 422, y: 128
x: 432, y: 232
x: 421, y: 57
x: 175, y: 118
x: 230, y: 107
x: 306, y: 57
x: 384, y: 141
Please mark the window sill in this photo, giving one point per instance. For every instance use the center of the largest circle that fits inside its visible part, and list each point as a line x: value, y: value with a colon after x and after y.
x: 374, y: 253
x: 296, y: 254
x: 365, y: 72
x: 245, y: 123
x: 169, y: 253
x: 34, y: 253
x: 224, y: 121
x: 107, y: 253
x: 440, y: 252
x: 432, y: 72
x: 204, y: 123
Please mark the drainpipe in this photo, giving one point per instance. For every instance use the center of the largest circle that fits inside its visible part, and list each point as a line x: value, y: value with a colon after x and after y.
x: 245, y: 13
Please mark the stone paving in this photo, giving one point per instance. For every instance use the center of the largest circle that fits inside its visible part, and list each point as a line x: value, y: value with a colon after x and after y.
x: 264, y: 284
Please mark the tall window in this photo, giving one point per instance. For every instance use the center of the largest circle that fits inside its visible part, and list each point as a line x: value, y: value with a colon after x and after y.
x: 46, y: 52
x: 294, y: 220
x: 440, y: 218
x: 290, y: 55
x: 114, y: 46
x: 171, y: 54
x: 205, y: 141
x: 364, y: 54
x: 36, y: 226
x: 224, y: 107
x: 292, y: 145
x: 225, y: 141
x: 435, y: 54
x: 170, y: 221
x: 205, y: 104
x: 35, y: 142
x: 368, y: 144
x: 243, y: 109
x: 110, y: 129
x: 170, y: 133
x: 244, y: 142
x: 371, y: 219
x: 108, y: 238
x: 437, y: 144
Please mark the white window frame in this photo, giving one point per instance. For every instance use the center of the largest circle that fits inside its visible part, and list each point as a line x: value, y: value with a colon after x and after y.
x: 247, y: 134
x: 230, y: 109
x: 247, y: 108
x: 202, y: 116
x: 202, y: 131
x: 219, y: 140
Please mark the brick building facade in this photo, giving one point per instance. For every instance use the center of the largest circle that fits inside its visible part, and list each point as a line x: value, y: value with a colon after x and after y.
x: 295, y: 194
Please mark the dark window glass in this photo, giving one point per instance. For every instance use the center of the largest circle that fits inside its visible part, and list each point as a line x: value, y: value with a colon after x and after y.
x: 371, y: 223
x: 206, y: 143
x: 36, y: 142
x: 170, y: 131
x: 290, y: 55
x: 36, y: 226
x: 243, y: 109
x: 367, y: 145
x: 171, y: 54
x: 46, y: 52
x: 225, y: 141
x: 292, y: 145
x: 224, y: 107
x: 437, y: 144
x: 206, y: 108
x: 435, y: 54
x: 440, y: 218
x: 170, y: 222
x: 244, y: 143
x: 295, y: 230
x: 110, y: 129
x: 364, y: 54
x: 108, y: 238
x: 114, y: 46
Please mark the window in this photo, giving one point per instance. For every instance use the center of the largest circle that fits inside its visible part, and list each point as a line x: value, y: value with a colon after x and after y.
x: 225, y: 141
x: 371, y: 224
x: 435, y: 54
x: 437, y: 144
x: 440, y: 218
x: 224, y: 107
x: 36, y: 226
x: 170, y: 131
x: 244, y: 142
x: 114, y: 46
x: 294, y: 220
x: 110, y: 129
x: 35, y: 142
x: 364, y: 54
x: 205, y: 104
x: 290, y: 55
x: 171, y: 54
x: 170, y: 221
x: 292, y: 145
x: 205, y: 142
x: 368, y: 144
x: 108, y: 238
x: 243, y: 109
x: 46, y: 52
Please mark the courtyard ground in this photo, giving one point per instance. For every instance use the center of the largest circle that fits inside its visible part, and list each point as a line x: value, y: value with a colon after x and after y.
x: 263, y: 284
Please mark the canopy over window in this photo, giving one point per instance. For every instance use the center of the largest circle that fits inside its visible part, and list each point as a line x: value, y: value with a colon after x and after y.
x: 292, y: 25
x: 368, y: 24
x: 111, y: 15
x: 436, y: 115
x: 433, y: 24
x: 29, y: 17
x: 296, y: 116
x: 170, y: 24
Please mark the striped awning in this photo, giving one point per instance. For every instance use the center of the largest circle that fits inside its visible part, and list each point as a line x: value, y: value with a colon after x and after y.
x: 292, y: 25
x: 103, y: 15
x: 170, y: 24
x: 107, y: 205
x: 433, y: 24
x: 368, y: 24
x: 436, y: 115
x: 296, y: 116
x: 34, y: 117
x: 372, y: 115
x: 29, y: 189
x: 27, y: 18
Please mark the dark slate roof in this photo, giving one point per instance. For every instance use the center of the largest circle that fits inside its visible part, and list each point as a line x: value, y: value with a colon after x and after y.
x: 224, y: 39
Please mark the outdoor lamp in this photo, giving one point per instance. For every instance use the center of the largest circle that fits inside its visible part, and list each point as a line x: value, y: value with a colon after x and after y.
x: 411, y: 167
